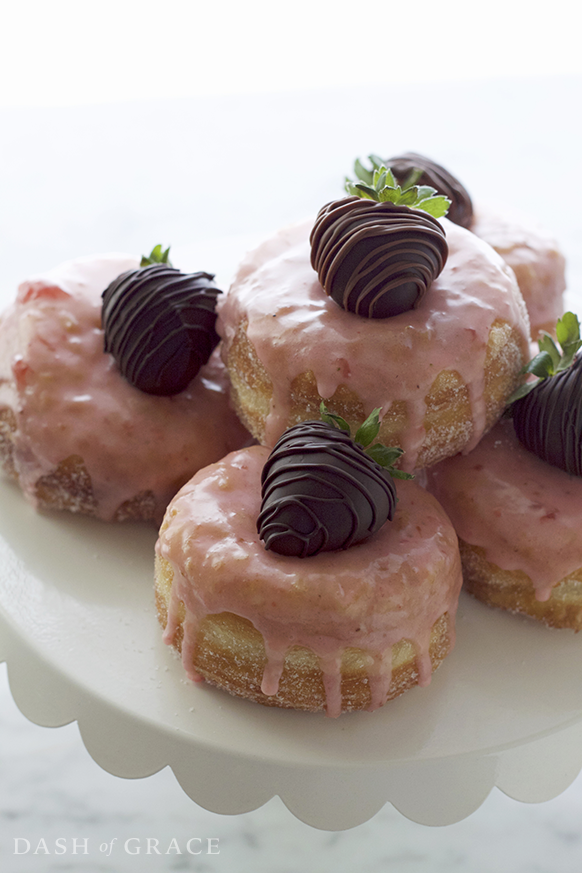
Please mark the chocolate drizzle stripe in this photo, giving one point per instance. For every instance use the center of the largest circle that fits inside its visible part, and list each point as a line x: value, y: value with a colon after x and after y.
x: 358, y: 458
x: 386, y: 273
x: 168, y: 293
x: 270, y: 527
x: 310, y: 472
x: 388, y: 248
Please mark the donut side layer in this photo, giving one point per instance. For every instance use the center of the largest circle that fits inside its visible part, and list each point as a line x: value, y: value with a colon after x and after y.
x: 286, y: 341
x: 68, y: 486
x: 74, y: 433
x: 383, y: 598
x: 447, y: 423
x: 229, y: 653
x: 513, y: 590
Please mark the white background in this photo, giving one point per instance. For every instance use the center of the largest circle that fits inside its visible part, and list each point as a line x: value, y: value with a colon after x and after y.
x: 72, y: 52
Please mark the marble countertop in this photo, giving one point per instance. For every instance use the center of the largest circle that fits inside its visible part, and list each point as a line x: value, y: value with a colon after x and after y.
x: 53, y: 794
x: 76, y: 181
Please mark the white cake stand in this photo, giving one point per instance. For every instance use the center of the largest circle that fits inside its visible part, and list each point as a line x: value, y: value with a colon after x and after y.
x: 81, y: 639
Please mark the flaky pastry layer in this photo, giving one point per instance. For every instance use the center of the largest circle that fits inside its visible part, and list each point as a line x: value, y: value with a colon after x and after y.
x: 512, y: 590
x: 230, y: 654
x: 448, y: 418
x: 68, y: 486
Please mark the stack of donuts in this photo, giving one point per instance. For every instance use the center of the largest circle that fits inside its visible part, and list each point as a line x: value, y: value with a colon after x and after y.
x: 282, y: 430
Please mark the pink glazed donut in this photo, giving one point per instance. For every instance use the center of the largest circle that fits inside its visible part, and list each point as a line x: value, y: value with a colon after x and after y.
x: 73, y: 432
x: 441, y: 373
x: 535, y: 258
x: 518, y: 521
x: 340, y: 630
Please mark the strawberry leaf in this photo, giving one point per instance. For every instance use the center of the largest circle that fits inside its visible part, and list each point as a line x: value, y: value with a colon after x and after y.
x: 568, y: 333
x: 424, y: 191
x: 368, y: 431
x: 520, y: 392
x: 547, y: 346
x: 363, y: 174
x: 384, y: 456
x: 389, y: 195
x: 331, y: 418
x: 541, y: 366
x: 437, y: 206
x: 398, y: 474
x: 376, y: 161
x: 156, y: 256
x: 360, y: 189
x: 408, y: 197
x: 380, y: 179
x: 550, y: 360
x: 568, y: 329
x: 413, y: 178
x: 380, y: 185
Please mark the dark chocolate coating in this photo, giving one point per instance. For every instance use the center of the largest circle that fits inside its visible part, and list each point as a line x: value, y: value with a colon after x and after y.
x: 159, y: 326
x: 461, y: 208
x: 321, y: 492
x: 548, y: 420
x: 376, y: 259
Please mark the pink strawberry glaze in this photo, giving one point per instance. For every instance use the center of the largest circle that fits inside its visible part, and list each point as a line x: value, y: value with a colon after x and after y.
x: 69, y: 397
x: 534, y: 257
x: 392, y: 587
x: 295, y: 328
x: 522, y: 511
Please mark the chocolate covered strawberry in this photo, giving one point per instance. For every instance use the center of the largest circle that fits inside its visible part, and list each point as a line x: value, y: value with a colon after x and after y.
x: 547, y: 414
x: 159, y: 324
x: 377, y: 252
x: 411, y: 168
x: 323, y: 490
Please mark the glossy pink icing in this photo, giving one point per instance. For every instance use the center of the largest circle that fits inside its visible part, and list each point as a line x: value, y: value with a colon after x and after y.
x: 69, y: 397
x: 295, y: 328
x: 522, y: 511
x: 535, y: 258
x: 394, y: 586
